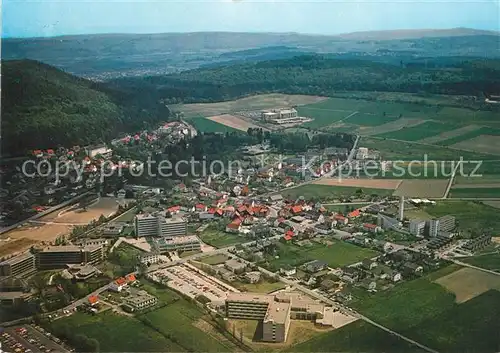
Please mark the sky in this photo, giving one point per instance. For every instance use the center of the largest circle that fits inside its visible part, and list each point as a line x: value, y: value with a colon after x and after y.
x: 45, y: 18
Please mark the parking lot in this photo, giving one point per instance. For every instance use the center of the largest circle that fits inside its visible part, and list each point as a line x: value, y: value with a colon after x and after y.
x: 190, y: 281
x: 26, y: 339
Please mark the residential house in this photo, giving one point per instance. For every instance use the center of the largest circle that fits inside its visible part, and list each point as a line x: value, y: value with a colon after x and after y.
x: 93, y: 300
x: 369, y: 284
x: 338, y: 219
x: 323, y: 229
x: 369, y: 264
x: 252, y: 277
x: 412, y: 268
x: 118, y: 284
x: 315, y: 266
x: 350, y: 275
x: 234, y: 226
x: 288, y: 271
x: 235, y: 266
x: 372, y: 228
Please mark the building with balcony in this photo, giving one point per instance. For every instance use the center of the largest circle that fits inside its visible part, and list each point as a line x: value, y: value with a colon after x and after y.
x: 53, y: 257
x: 18, y: 266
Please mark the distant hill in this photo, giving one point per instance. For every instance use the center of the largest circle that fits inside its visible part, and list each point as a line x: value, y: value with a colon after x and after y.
x: 111, y: 56
x: 320, y: 75
x: 44, y: 107
x: 416, y: 33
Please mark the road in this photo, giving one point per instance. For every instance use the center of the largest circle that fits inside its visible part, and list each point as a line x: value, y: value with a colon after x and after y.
x: 450, y: 183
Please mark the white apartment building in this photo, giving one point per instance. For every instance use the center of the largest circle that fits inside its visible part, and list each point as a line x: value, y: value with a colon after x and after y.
x: 156, y: 225
x: 417, y: 227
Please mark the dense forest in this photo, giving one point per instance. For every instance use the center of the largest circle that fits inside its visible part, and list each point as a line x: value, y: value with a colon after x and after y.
x: 43, y: 107
x: 319, y: 75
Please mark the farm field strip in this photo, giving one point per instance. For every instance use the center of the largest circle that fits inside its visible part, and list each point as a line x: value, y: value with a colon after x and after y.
x: 483, y: 143
x: 388, y: 184
x: 422, y: 188
x: 483, y: 130
x: 233, y: 122
x: 450, y: 134
x: 419, y: 132
x: 475, y: 192
x: 477, y: 186
x: 390, y: 126
x: 206, y: 125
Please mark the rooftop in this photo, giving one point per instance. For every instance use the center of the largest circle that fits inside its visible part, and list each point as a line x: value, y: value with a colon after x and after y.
x: 178, y: 240
x: 70, y: 248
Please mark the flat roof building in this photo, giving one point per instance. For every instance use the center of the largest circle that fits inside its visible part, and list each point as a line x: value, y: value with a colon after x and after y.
x: 53, y: 257
x: 18, y: 266
x: 276, y: 311
x: 140, y: 301
x: 156, y: 225
x: 181, y: 243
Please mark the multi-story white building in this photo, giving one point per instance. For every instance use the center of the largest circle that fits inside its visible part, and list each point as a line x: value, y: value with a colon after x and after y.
x: 156, y: 225
x: 417, y: 227
x: 18, y: 266
x: 181, y: 243
x: 140, y: 301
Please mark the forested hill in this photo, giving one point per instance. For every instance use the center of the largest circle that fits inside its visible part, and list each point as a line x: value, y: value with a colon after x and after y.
x: 320, y: 75
x: 43, y: 107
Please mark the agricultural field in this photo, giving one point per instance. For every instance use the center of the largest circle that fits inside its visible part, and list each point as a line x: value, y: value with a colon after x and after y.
x: 322, y: 117
x: 206, y: 125
x: 330, y: 193
x: 336, y: 255
x: 233, y: 122
x: 442, y: 137
x: 113, y: 332
x: 475, y: 191
x: 406, y: 151
x: 419, y: 132
x: 468, y: 135
x: 257, y: 102
x: 370, y: 119
x: 422, y: 188
x: 468, y: 283
x: 358, y: 336
x: 428, y: 313
x: 487, y: 261
x: 389, y: 127
x: 472, y: 217
x: 484, y: 143
x: 472, y: 326
x: 471, y: 181
x: 385, y: 184
x: 220, y: 239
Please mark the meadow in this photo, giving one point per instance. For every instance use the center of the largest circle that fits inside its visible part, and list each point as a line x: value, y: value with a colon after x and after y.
x: 336, y: 255
x: 475, y: 192
x: 487, y: 261
x: 469, y: 135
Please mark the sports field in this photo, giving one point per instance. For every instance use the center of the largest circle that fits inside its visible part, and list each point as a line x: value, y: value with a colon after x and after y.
x: 51, y: 226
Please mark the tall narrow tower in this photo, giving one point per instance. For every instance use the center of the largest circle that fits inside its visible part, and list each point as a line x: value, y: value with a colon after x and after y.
x: 401, y: 208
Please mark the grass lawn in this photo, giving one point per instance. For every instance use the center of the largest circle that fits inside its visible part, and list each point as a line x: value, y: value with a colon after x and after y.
x: 399, y: 150
x: 205, y: 125
x: 476, y: 192
x: 176, y: 321
x: 214, y: 259
x: 329, y: 193
x: 127, y: 216
x: 487, y: 261
x: 117, y: 333
x: 336, y: 255
x: 471, y: 216
x: 419, y: 132
x: 220, y: 239
x: 358, y: 336
x: 343, y: 208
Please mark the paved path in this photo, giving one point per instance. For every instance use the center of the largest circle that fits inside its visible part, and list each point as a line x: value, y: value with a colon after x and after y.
x: 474, y: 267
x: 452, y: 178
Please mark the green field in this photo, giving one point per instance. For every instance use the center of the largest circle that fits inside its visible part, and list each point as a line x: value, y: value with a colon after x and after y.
x: 419, y: 132
x: 177, y: 320
x: 114, y: 333
x: 477, y: 180
x: 472, y: 217
x: 205, y: 125
x: 472, y: 326
x: 487, y: 261
x: 214, y: 259
x: 322, y: 117
x: 470, y: 135
x: 220, y: 239
x: 329, y: 193
x: 345, y: 208
x: 336, y: 255
x: 358, y: 336
x: 368, y: 119
x: 399, y: 150
x: 475, y: 192
x: 426, y: 312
